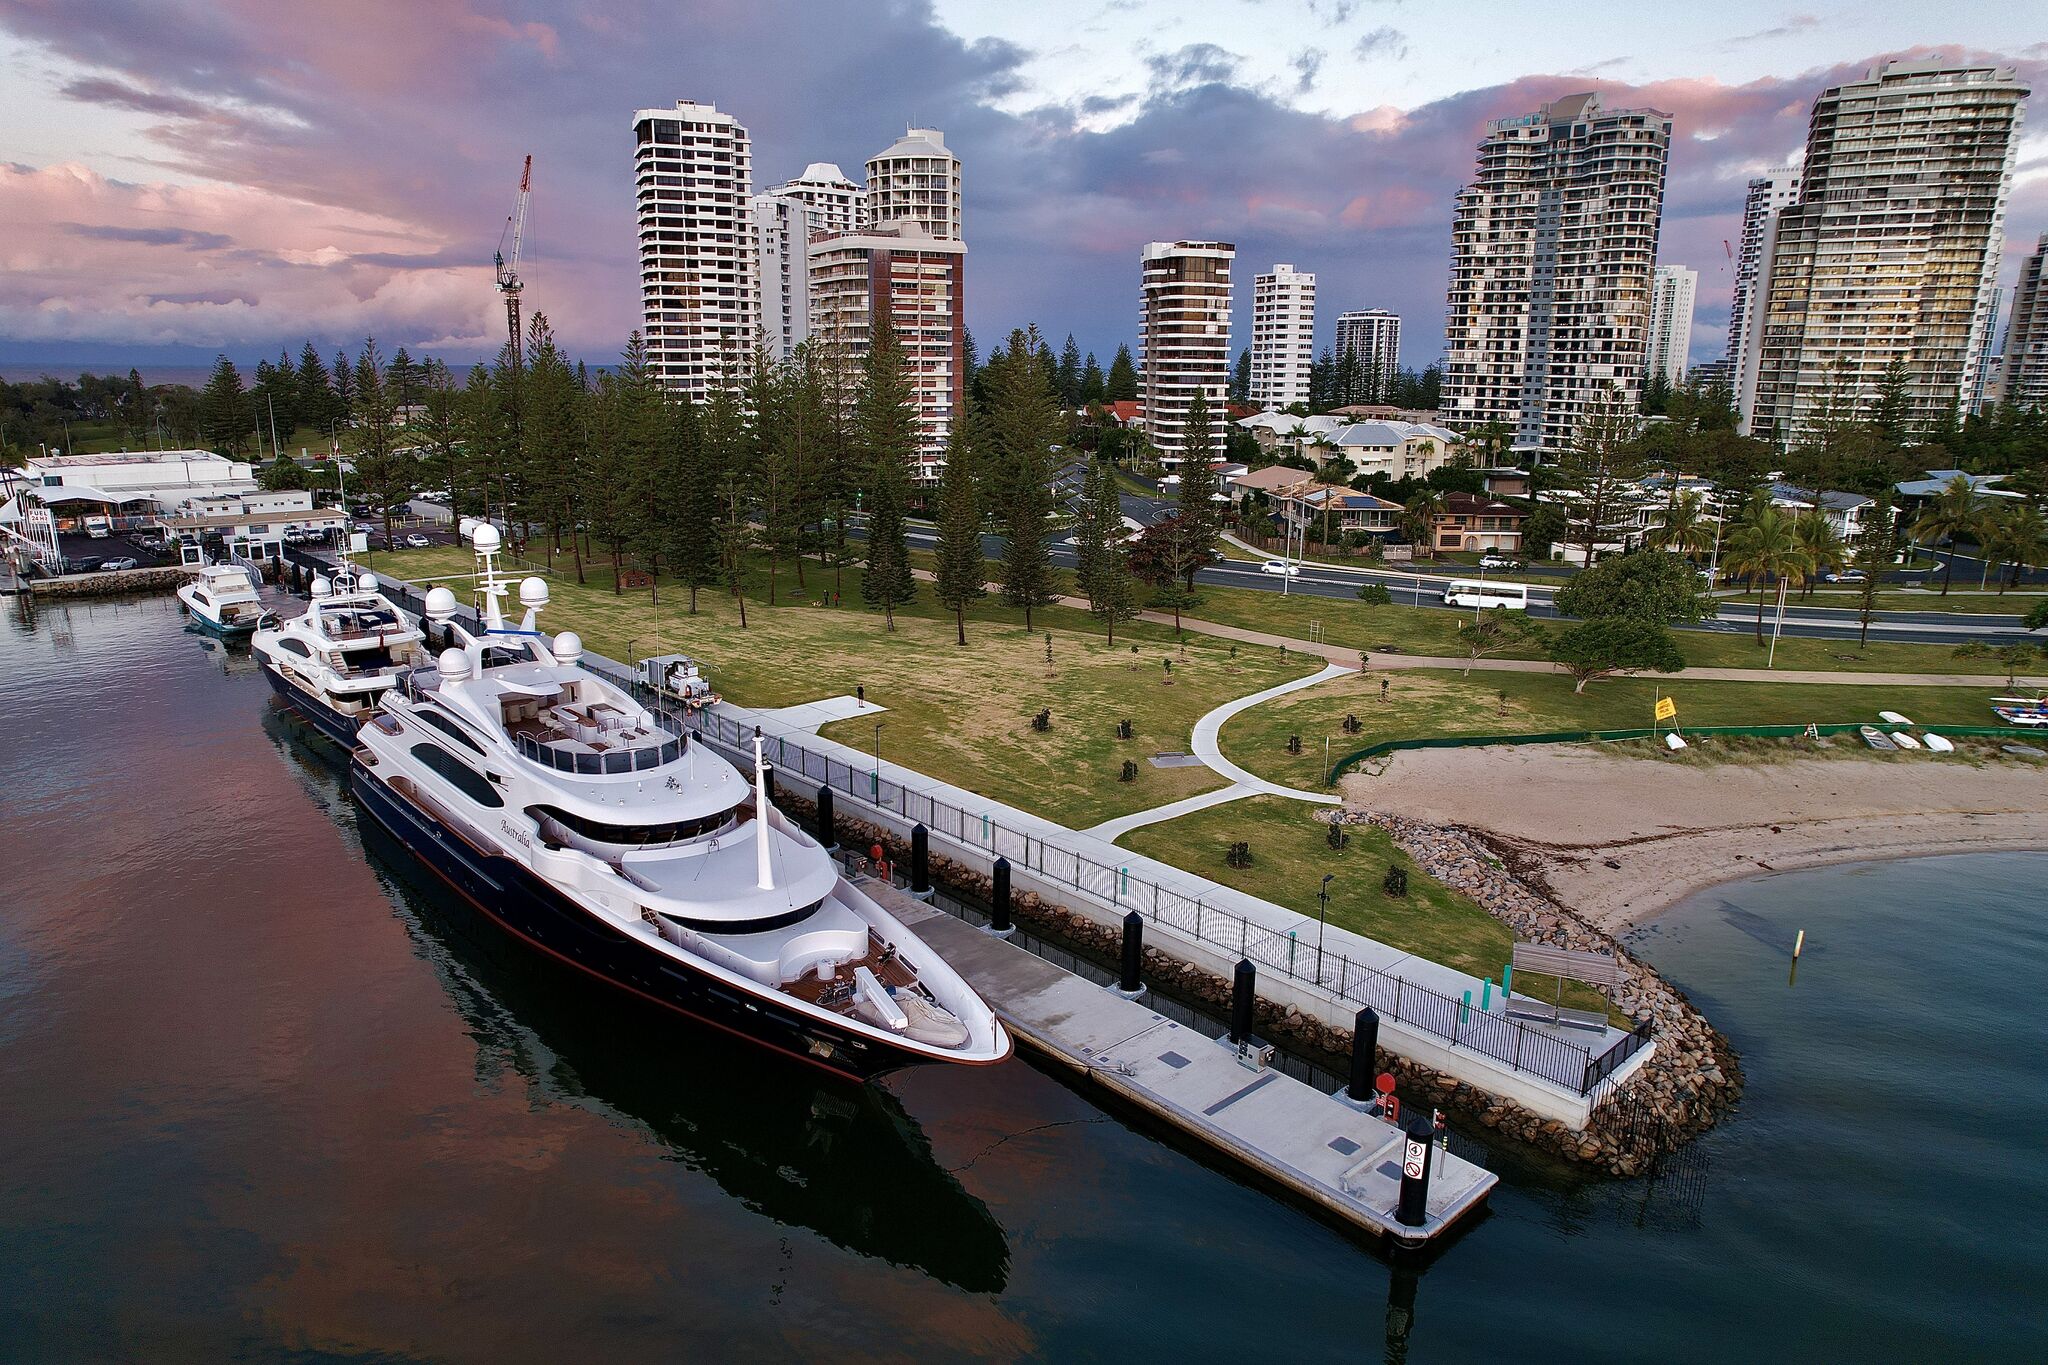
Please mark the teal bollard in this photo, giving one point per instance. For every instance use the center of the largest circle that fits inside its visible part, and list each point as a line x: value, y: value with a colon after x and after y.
x: 1507, y: 983
x: 1465, y: 1010
x: 1486, y: 998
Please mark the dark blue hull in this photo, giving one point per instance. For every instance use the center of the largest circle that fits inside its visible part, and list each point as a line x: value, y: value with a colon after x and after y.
x: 338, y: 726
x: 527, y: 907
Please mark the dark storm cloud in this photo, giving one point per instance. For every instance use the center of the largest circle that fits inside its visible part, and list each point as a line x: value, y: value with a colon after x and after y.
x: 105, y: 232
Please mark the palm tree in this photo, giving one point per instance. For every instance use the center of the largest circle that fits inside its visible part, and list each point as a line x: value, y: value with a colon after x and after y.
x: 1825, y: 549
x: 1766, y: 545
x: 1952, y: 513
x: 2015, y: 534
x: 1420, y: 516
x: 1684, y: 528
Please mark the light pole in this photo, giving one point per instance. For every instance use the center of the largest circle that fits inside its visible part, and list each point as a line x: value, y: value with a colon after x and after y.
x: 1322, y: 920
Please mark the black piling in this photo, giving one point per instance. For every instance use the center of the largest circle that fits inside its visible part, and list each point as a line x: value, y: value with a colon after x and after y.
x: 1127, y: 982
x: 920, y: 862
x: 826, y: 835
x: 999, y: 901
x: 1365, y: 1045
x: 768, y: 782
x: 1241, y: 1002
x: 1417, y: 1152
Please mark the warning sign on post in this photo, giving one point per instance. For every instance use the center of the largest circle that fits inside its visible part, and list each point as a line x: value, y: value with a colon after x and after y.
x: 1412, y: 1159
x: 1666, y: 708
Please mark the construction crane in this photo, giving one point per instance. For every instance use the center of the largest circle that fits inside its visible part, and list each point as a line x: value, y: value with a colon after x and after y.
x: 508, y: 266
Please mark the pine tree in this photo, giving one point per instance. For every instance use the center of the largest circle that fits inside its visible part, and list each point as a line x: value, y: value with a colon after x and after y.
x: 885, y: 433
x: 1354, y: 385
x: 1241, y: 378
x: 480, y: 423
x: 383, y: 472
x: 404, y: 380
x: 317, y: 405
x: 692, y: 524
x: 551, y: 439
x: 735, y: 538
x: 1069, y: 378
x: 1601, y: 459
x: 439, y: 428
x: 1198, y: 522
x: 1019, y: 428
x: 1104, y: 571
x: 1092, y: 382
x: 1122, y: 384
x: 224, y: 416
x: 961, y: 572
x: 344, y: 387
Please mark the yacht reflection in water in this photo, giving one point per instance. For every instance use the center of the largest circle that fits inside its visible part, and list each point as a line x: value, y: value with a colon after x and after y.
x: 800, y: 1148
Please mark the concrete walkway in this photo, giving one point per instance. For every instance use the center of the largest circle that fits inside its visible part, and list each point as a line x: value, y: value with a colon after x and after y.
x: 1242, y: 783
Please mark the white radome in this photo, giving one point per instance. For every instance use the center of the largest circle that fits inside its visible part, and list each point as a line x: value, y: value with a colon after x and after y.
x: 440, y: 604
x: 321, y: 586
x: 568, y: 647
x: 366, y: 582
x: 533, y: 592
x: 484, y: 537
x: 453, y: 665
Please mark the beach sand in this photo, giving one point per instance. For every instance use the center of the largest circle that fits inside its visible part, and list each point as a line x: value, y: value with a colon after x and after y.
x: 1619, y: 839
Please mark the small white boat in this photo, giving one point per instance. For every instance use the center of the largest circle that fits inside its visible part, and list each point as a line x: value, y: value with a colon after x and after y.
x: 1905, y: 741
x: 222, y: 598
x: 1893, y: 718
x: 1673, y: 741
x: 2031, y: 712
x: 1877, y: 739
x: 1939, y: 744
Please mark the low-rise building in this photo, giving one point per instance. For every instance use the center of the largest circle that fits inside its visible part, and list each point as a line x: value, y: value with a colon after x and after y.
x: 1273, y: 481
x: 1327, y: 511
x: 1399, y: 450
x: 1848, y: 513
x: 1915, y: 494
x: 1471, y: 522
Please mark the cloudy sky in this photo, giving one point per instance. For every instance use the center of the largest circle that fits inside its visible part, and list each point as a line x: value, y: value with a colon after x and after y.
x: 179, y: 177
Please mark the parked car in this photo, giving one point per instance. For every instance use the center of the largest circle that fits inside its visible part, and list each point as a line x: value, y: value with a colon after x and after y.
x: 1846, y: 576
x: 84, y: 563
x: 1280, y: 568
x: 1499, y: 562
x: 120, y: 562
x: 416, y: 541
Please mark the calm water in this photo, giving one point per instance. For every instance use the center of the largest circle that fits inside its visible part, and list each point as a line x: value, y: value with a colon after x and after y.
x: 264, y: 1093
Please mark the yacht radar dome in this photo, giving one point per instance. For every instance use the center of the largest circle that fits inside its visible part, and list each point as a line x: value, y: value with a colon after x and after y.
x: 321, y: 587
x: 440, y: 604
x: 568, y: 647
x: 533, y: 592
x: 484, y: 537
x: 453, y: 665
x: 366, y: 582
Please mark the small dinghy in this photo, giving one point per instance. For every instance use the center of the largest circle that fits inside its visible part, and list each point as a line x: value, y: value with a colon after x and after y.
x: 1877, y: 739
x: 1893, y: 718
x: 1905, y: 741
x: 1938, y: 743
x: 1674, y: 742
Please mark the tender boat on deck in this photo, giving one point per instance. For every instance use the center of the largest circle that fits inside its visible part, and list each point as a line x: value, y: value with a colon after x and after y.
x: 336, y: 661
x: 223, y: 599
x: 596, y: 830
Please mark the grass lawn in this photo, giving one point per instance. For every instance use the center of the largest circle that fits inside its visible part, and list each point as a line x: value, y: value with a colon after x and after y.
x: 2013, y: 602
x: 961, y: 715
x: 1431, y: 702
x: 1290, y: 854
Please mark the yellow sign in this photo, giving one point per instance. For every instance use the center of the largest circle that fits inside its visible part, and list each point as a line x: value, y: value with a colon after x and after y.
x: 1666, y: 708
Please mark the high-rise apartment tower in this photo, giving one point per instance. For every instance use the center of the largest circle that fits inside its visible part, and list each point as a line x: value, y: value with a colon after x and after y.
x: 1890, y: 254
x: 917, y: 179
x: 1184, y: 339
x: 831, y: 201
x: 693, y: 177
x: 1283, y: 336
x: 1671, y: 297
x: 1552, y: 248
x: 782, y: 235
x: 1374, y: 335
x: 1768, y: 194
x: 2025, y: 377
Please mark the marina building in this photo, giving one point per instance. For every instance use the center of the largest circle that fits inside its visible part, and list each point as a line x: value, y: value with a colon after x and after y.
x: 1890, y: 252
x: 693, y: 180
x: 916, y: 179
x: 1184, y: 339
x: 1768, y: 195
x: 2024, y: 376
x: 1671, y: 299
x: 1553, y: 244
x: 831, y: 202
x: 1283, y: 336
x: 782, y: 234
x: 898, y: 271
x: 1374, y: 334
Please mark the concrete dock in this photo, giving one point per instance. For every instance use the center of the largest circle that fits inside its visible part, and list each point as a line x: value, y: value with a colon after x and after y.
x: 1268, y: 1124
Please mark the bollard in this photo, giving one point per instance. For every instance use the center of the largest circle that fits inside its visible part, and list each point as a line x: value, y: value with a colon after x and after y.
x: 999, y: 922
x: 1486, y: 996
x: 1127, y: 983
x: 1507, y: 984
x: 826, y: 835
x: 1365, y: 1045
x: 1241, y: 1002
x: 1416, y: 1154
x: 768, y: 784
x: 920, y: 863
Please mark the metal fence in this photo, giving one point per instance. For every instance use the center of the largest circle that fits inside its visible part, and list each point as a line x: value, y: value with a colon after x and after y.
x: 1560, y: 1061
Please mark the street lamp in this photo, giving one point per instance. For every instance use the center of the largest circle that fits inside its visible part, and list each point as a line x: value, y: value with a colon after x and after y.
x: 1322, y: 920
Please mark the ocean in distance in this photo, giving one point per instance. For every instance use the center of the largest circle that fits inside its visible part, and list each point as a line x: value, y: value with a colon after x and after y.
x: 271, y: 1094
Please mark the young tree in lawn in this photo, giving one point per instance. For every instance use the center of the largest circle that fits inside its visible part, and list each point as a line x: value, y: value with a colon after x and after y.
x: 1094, y: 533
x: 1105, y: 568
x: 1613, y: 644
x: 735, y: 533
x: 225, y: 418
x: 1196, y: 501
x: 961, y: 573
x: 1874, y: 550
x: 1492, y: 630
x: 1600, y: 461
x: 885, y: 434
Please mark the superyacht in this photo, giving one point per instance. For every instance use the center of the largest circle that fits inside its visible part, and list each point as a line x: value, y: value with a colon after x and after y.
x: 336, y: 660
x: 601, y: 833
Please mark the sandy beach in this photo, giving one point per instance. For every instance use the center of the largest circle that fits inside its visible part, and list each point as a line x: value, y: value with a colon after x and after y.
x: 1619, y: 839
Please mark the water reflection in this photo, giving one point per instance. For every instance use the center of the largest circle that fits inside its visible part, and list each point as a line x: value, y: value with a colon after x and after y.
x: 845, y: 1161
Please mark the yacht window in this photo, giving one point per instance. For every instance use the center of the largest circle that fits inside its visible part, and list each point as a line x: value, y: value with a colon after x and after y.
x: 598, y: 831
x: 744, y: 926
x: 466, y: 779
x: 448, y: 728
x: 295, y: 647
